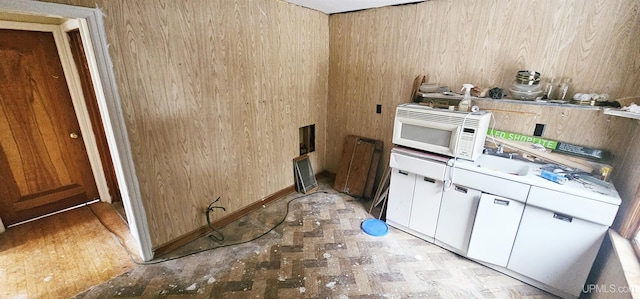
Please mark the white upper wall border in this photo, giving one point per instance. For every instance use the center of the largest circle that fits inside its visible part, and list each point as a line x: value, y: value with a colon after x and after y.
x: 338, y: 6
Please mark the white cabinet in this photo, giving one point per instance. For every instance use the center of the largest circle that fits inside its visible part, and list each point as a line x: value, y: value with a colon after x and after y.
x: 426, y: 205
x: 556, y: 248
x: 455, y: 221
x: 400, y: 196
x: 414, y: 202
x: 534, y: 230
x: 494, y: 229
x: 415, y: 192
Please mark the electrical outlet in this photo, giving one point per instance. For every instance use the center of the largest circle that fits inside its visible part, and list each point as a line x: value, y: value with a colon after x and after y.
x: 287, y: 109
x: 378, y: 108
x: 539, y: 130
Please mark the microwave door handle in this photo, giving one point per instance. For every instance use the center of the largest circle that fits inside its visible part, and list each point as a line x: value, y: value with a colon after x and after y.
x: 453, y: 142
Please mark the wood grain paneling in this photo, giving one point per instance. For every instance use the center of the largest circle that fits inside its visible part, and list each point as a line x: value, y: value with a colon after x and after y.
x: 626, y: 175
x: 376, y: 54
x: 205, y: 84
x: 204, y: 87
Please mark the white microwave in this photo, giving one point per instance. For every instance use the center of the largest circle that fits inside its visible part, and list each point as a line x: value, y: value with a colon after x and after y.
x: 445, y: 132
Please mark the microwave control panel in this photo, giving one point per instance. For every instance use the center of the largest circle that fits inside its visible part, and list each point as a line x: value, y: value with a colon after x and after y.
x: 466, y: 141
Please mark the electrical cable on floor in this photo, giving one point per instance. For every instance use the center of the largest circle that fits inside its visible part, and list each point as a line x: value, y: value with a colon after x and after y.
x: 216, y: 235
x: 153, y: 262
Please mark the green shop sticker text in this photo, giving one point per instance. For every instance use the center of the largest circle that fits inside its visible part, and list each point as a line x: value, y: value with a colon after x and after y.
x: 524, y: 138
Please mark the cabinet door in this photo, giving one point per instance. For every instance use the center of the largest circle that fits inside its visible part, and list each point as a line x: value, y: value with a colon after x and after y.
x: 556, y: 249
x: 457, y: 212
x: 400, y: 196
x: 494, y: 229
x: 426, y: 205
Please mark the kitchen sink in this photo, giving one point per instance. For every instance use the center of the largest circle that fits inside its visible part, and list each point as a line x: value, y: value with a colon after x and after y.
x: 504, y: 165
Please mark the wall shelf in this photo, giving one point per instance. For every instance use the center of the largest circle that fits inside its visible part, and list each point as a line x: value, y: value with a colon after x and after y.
x: 621, y: 113
x: 542, y: 103
x: 451, y: 96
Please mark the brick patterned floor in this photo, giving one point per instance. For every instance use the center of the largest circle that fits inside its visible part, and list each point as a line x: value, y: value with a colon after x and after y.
x: 318, y: 252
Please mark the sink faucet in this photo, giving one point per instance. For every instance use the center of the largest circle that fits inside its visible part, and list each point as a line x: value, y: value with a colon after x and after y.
x: 500, y: 149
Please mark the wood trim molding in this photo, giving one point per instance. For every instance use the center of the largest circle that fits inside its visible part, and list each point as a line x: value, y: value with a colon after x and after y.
x: 91, y: 104
x: 80, y: 105
x: 625, y: 251
x: 631, y: 223
x: 636, y: 247
x: 204, y: 230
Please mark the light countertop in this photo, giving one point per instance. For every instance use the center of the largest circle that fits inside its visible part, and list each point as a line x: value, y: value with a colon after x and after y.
x: 605, y: 193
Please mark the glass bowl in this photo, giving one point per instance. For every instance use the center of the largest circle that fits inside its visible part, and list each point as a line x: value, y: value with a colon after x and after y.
x: 525, y: 87
x: 525, y: 95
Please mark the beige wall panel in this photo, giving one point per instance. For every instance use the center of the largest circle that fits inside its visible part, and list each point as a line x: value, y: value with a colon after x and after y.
x: 608, y: 272
x: 204, y: 87
x: 581, y: 126
x: 626, y: 173
x: 205, y: 84
x: 376, y: 54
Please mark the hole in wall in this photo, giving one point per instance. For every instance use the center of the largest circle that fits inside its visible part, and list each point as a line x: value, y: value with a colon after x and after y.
x: 307, y: 139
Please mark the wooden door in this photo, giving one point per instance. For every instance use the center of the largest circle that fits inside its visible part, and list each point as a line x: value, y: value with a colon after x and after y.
x: 44, y: 166
x: 358, y: 166
x: 355, y: 162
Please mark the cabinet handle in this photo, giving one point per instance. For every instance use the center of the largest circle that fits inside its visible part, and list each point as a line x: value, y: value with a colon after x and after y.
x: 403, y: 172
x: 501, y: 202
x: 460, y: 189
x: 430, y: 180
x: 561, y: 217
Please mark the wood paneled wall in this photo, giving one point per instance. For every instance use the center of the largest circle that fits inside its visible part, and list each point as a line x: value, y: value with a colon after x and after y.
x: 615, y: 267
x: 626, y: 175
x: 376, y: 54
x: 205, y: 87
x: 205, y: 84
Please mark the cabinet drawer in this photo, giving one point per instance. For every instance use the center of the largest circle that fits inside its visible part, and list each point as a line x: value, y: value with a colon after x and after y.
x: 423, y: 167
x: 491, y: 184
x: 573, y: 206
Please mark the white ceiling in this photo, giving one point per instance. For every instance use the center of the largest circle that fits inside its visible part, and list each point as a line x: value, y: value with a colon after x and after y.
x: 337, y: 6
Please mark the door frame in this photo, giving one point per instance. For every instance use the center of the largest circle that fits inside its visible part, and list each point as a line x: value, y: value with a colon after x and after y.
x: 72, y: 78
x: 94, y: 39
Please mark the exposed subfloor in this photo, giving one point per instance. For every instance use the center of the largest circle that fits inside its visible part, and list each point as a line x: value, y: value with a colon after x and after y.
x: 319, y: 251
